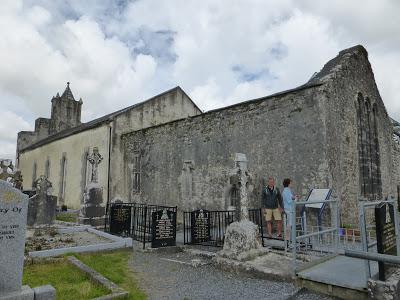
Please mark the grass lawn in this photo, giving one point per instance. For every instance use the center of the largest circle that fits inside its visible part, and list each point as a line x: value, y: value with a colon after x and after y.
x: 67, y: 217
x: 69, y: 282
x: 114, y: 266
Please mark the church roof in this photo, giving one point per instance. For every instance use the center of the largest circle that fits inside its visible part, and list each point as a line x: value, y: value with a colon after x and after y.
x: 96, y: 122
x: 316, y: 80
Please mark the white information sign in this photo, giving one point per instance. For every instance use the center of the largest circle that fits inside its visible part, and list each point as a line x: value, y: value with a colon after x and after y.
x: 318, y: 195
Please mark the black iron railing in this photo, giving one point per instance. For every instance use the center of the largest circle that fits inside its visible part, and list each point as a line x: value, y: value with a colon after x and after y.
x: 133, y: 220
x: 218, y: 222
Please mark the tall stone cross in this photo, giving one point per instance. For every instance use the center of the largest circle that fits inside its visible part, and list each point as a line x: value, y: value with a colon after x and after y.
x: 95, y: 159
x: 43, y: 185
x: 244, y: 184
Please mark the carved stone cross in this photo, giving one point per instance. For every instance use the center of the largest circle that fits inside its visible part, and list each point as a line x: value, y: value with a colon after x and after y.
x: 243, y: 180
x: 4, y: 174
x: 43, y: 185
x: 95, y: 159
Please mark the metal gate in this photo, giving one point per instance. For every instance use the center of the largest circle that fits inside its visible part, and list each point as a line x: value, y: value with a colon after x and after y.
x: 134, y: 220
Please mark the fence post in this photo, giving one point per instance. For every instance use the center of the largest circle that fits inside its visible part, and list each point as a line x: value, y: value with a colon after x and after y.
x: 184, y: 227
x: 293, y: 234
x: 145, y: 225
x: 262, y: 226
x: 337, y: 219
x: 396, y: 226
x: 364, y: 238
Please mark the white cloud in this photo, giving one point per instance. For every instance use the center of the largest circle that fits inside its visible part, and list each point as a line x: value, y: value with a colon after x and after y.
x: 10, y: 125
x: 221, y: 52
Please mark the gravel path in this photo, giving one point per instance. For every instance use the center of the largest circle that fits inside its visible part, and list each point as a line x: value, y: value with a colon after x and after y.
x: 173, y: 276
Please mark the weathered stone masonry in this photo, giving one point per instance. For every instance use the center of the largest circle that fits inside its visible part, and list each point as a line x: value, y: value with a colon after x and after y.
x: 317, y: 134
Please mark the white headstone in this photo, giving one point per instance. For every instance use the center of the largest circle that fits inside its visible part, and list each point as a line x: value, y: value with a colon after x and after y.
x: 13, y: 213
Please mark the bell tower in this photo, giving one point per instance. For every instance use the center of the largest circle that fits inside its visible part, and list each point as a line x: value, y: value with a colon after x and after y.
x: 65, y: 111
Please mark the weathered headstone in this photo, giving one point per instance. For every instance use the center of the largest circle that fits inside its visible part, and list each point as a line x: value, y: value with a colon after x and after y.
x: 163, y: 228
x: 92, y: 211
x: 10, y: 174
x: 385, y: 233
x: 42, y: 205
x: 120, y: 219
x: 13, y: 213
x: 200, y: 226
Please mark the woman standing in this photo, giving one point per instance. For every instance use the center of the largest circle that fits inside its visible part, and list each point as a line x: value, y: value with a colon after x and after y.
x: 288, y: 204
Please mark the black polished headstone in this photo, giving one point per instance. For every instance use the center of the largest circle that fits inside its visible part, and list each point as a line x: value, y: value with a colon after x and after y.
x: 120, y: 219
x: 163, y: 228
x: 385, y: 233
x: 200, y: 229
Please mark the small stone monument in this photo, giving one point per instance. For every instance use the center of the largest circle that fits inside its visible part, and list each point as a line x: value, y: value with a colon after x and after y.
x: 10, y: 174
x: 42, y: 206
x: 92, y: 213
x: 242, y: 239
x: 13, y: 213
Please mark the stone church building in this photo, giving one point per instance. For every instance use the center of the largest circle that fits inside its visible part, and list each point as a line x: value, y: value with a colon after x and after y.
x: 333, y: 131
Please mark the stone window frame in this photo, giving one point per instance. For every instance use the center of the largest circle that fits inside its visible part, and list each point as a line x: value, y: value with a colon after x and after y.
x: 136, y: 172
x: 368, y: 148
x: 47, y: 167
x: 234, y: 197
x: 34, y: 174
x: 63, y: 178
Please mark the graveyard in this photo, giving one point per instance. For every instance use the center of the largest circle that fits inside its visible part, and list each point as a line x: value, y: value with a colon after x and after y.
x: 146, y: 251
x: 273, y: 174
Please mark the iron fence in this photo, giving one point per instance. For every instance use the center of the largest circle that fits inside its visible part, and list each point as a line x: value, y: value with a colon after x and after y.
x: 312, y: 242
x: 217, y: 223
x: 133, y: 220
x: 219, y: 220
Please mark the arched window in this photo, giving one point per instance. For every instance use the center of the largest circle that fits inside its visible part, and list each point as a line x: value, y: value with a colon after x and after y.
x: 34, y: 175
x: 368, y: 149
x: 63, y: 175
x: 47, y: 168
x: 235, y: 197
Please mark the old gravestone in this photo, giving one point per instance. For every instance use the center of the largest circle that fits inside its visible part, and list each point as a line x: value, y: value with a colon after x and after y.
x: 13, y: 212
x: 92, y: 211
x: 42, y: 205
x: 200, y: 229
x: 163, y: 228
x: 385, y: 233
x: 120, y: 219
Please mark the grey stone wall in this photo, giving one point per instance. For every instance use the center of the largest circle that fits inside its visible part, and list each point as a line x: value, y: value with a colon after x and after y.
x: 187, y: 163
x: 345, y: 78
x: 171, y: 105
x: 308, y: 134
x: 396, y: 167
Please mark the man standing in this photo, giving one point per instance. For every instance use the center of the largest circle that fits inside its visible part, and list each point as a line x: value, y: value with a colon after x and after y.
x: 272, y: 206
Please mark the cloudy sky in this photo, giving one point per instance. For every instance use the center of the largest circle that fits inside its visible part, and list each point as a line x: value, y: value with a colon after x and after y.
x: 116, y: 53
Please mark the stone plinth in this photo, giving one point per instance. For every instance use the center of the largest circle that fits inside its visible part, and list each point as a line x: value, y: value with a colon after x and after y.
x: 92, y: 213
x: 25, y: 293
x: 42, y: 210
x: 242, y: 241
